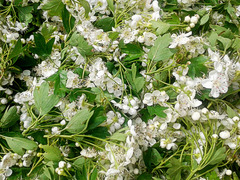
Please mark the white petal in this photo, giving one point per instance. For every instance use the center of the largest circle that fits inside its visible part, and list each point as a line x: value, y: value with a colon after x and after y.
x: 207, y: 83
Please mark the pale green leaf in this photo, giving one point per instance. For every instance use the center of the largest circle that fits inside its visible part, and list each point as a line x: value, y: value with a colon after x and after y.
x: 43, y: 102
x: 19, y: 145
x: 52, y: 153
x: 79, y: 122
x: 54, y: 7
x: 9, y: 117
x: 160, y: 50
x: 204, y: 19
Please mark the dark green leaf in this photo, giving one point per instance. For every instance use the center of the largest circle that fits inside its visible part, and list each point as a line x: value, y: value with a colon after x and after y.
x: 174, y: 171
x: 197, y: 67
x: 60, y: 80
x: 100, y: 132
x: 68, y: 20
x: 94, y: 174
x: 106, y: 24
x: 17, y: 50
x: 145, y: 176
x: 24, y: 14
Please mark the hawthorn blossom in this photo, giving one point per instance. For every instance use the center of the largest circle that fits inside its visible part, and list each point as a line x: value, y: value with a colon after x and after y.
x: 217, y: 82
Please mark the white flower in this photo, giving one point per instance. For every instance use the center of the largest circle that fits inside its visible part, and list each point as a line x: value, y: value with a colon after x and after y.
x: 224, y: 134
x: 217, y: 82
x: 228, y: 172
x: 196, y: 116
x: 61, y: 164
x: 180, y: 39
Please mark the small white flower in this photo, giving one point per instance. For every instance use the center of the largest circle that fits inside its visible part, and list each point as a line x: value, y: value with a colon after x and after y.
x: 196, y: 116
x: 228, y: 172
x: 61, y: 164
x: 224, y: 134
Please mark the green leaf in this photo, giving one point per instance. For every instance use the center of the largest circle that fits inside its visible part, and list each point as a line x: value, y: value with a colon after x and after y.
x: 110, y: 5
x: 83, y: 48
x: 68, y: 20
x: 43, y: 102
x: 161, y: 27
x: 226, y: 42
x: 213, y: 38
x: 105, y: 23
x: 17, y: 50
x: 139, y: 83
x: 155, y: 157
x: 204, y: 19
x: 157, y: 110
x: 79, y: 162
x: 24, y: 14
x: 230, y: 112
x: 54, y: 7
x: 218, y: 156
x: 79, y: 122
x: 145, y: 176
x: 47, y: 31
x: 175, y: 170
x: 19, y: 145
x: 52, y: 153
x: 9, y: 118
x: 160, y: 50
x: 113, y: 35
x: 42, y: 48
x: 197, y: 67
x: 100, y: 132
x: 236, y: 44
x: 86, y: 6
x: 60, y: 80
x: 118, y: 137
x: 94, y: 174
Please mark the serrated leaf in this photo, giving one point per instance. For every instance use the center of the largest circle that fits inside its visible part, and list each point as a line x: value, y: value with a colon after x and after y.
x: 157, y: 110
x: 19, y: 145
x: 60, y: 80
x: 79, y: 122
x: 79, y: 163
x: 43, y: 102
x: 47, y: 31
x: 9, y: 118
x: 24, y: 14
x: 175, y: 170
x: 83, y: 48
x: 160, y: 50
x: 218, y: 156
x: 161, y: 27
x: 54, y: 7
x: 204, y: 19
x: 197, y: 67
x: 52, y: 153
x: 105, y: 23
